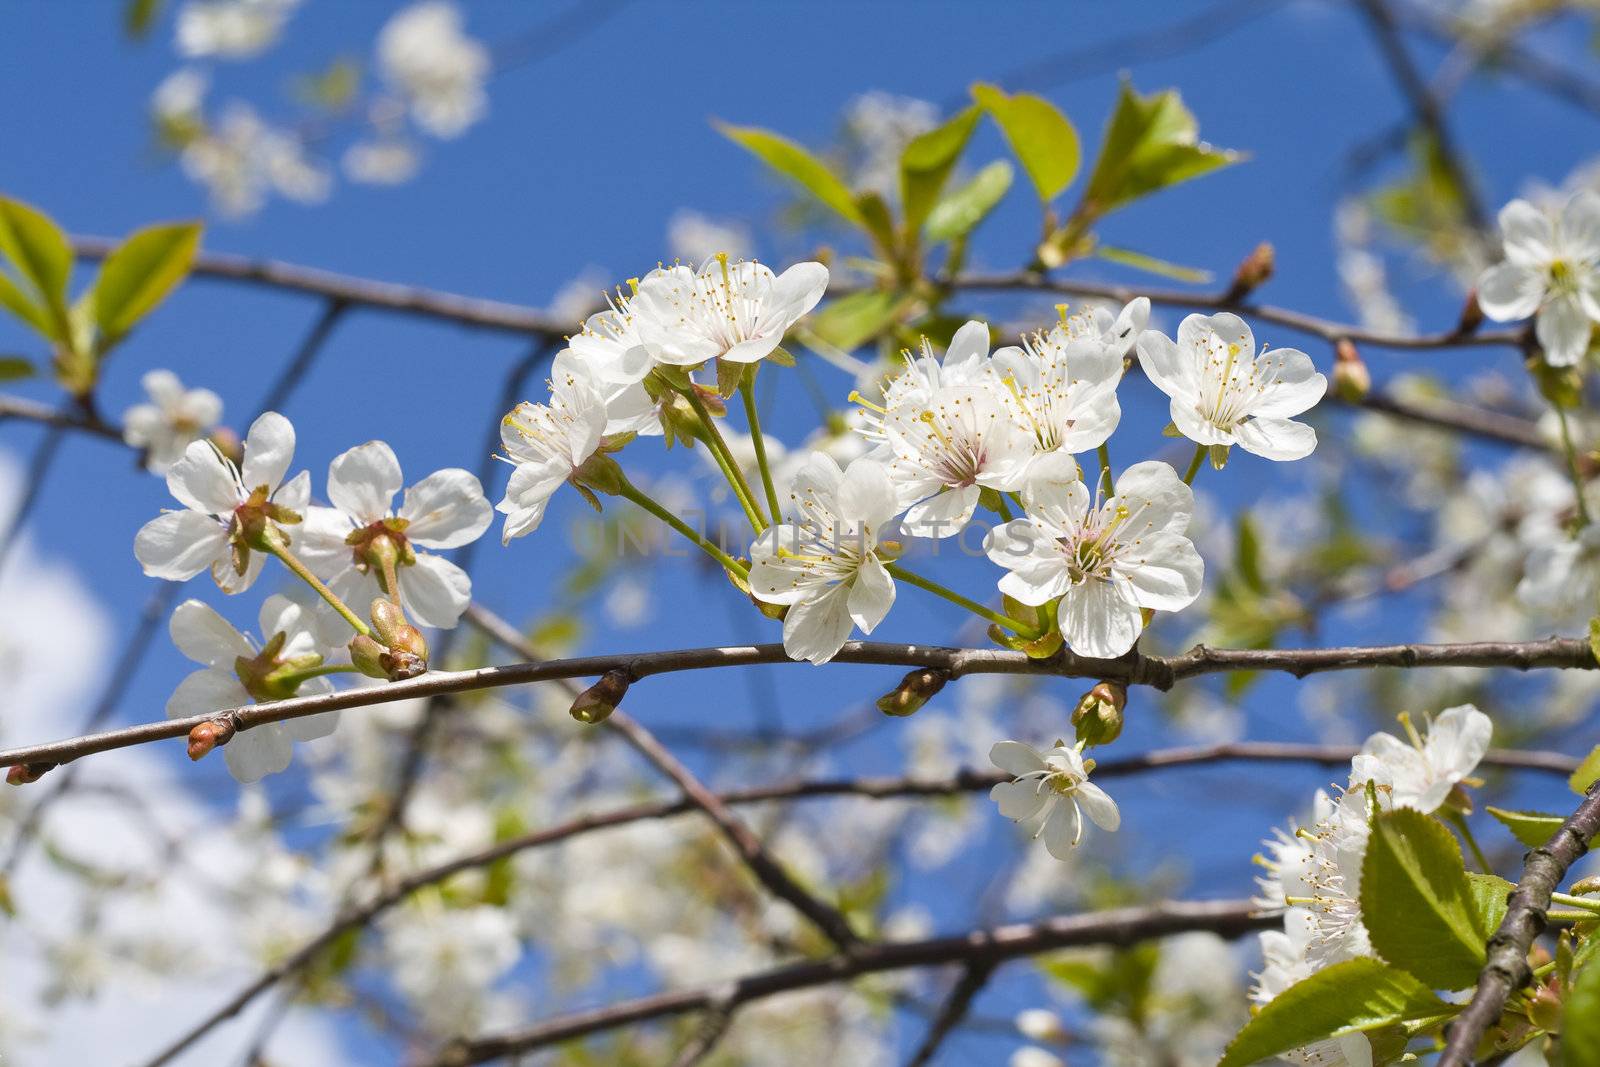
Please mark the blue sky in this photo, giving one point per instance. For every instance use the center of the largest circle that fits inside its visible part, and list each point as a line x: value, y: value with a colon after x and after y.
x: 585, y: 156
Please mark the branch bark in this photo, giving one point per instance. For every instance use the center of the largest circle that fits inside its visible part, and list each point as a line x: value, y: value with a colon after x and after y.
x: 1507, y: 970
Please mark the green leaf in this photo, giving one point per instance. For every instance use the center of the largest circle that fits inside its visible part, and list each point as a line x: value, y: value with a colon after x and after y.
x: 140, y: 272
x: 927, y: 161
x: 1587, y: 772
x: 1152, y: 265
x: 961, y: 210
x: 16, y: 369
x: 1247, y: 554
x: 1416, y: 901
x: 1151, y: 143
x: 1044, y: 140
x: 41, y: 254
x: 1580, y: 1020
x: 1489, y: 893
x: 138, y: 16
x: 1352, y: 997
x: 877, y: 221
x: 853, y: 320
x: 1594, y: 638
x: 1532, y: 828
x: 800, y: 166
x: 24, y: 307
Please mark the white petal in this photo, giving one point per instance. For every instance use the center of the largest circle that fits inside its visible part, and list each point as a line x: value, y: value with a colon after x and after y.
x: 203, y: 692
x: 180, y: 544
x: 1016, y: 758
x: 295, y: 494
x: 1157, y: 499
x: 968, y: 347
x: 1019, y: 800
x: 319, y: 540
x: 1062, y: 829
x: 865, y: 494
x: 362, y: 482
x: 1099, y: 806
x: 871, y: 595
x: 1296, y: 386
x: 1167, y: 573
x: 447, y: 509
x: 229, y: 580
x: 1100, y: 618
x: 205, y: 636
x: 1458, y: 739
x: 943, y: 514
x: 1196, y: 427
x: 1507, y: 292
x: 203, y: 480
x: 817, y: 628
x: 1580, y: 227
x: 1527, y: 234
x: 268, y: 449
x: 435, y: 591
x: 255, y: 753
x: 1563, y: 331
x: 1279, y: 439
x: 1174, y: 372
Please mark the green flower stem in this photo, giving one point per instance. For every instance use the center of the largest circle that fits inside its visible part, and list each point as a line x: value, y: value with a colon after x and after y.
x: 1588, y: 905
x: 293, y: 563
x: 1194, y: 464
x: 730, y: 469
x: 300, y: 677
x: 1572, y: 466
x: 629, y: 491
x: 956, y: 598
x: 753, y: 417
x: 1105, y: 469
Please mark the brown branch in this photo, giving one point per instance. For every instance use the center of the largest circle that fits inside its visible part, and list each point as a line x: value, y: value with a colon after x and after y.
x: 991, y: 947
x: 1133, y: 669
x: 768, y: 871
x: 69, y: 418
x: 1507, y: 970
x: 955, y: 1007
x: 966, y: 781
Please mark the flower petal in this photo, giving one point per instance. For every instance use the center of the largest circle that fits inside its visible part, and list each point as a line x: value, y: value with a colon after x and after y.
x: 871, y: 595
x: 1098, y: 805
x: 1174, y: 372
x: 178, y: 545
x: 1062, y: 829
x: 268, y: 449
x: 1016, y: 758
x: 1508, y: 291
x: 1563, y: 331
x: 944, y: 514
x: 1526, y: 234
x: 257, y: 752
x: 447, y: 509
x: 206, y: 691
x: 203, y: 480
x: 205, y: 636
x: 1167, y: 573
x: 362, y: 481
x: 1019, y: 800
x: 1100, y: 618
x: 816, y: 628
x: 435, y: 591
x: 1277, y: 439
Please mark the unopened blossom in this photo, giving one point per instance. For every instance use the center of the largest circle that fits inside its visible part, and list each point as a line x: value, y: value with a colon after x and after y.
x: 1106, y: 560
x: 1063, y: 384
x: 732, y: 310
x: 1050, y: 793
x: 1224, y: 393
x: 174, y: 418
x: 227, y: 509
x: 548, y: 443
x: 1421, y: 774
x: 231, y: 29
x: 951, y: 430
x: 1551, y: 271
x: 440, y: 71
x: 236, y: 670
x: 345, y: 544
x: 821, y: 561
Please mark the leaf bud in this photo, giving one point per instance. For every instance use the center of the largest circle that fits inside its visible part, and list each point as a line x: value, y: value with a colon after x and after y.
x: 1352, y: 381
x: 367, y: 655
x: 1253, y: 272
x: 596, y: 703
x: 915, y: 689
x: 27, y: 773
x: 208, y: 735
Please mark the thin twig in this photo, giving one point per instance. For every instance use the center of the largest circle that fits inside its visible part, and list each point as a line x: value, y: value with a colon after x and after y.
x: 955, y: 1007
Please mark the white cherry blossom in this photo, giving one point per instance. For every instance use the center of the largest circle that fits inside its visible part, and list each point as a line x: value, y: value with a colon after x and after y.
x: 548, y: 443
x: 1551, y: 271
x: 1050, y: 794
x: 1223, y: 393
x: 210, y: 640
x: 446, y: 960
x: 440, y: 71
x: 1421, y: 774
x: 342, y: 543
x: 737, y: 311
x: 231, y: 29
x: 1064, y: 387
x: 173, y: 419
x: 222, y: 505
x: 1106, y: 560
x: 820, y: 561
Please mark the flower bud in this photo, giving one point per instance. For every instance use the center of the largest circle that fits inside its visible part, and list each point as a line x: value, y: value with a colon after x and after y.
x: 1253, y: 272
x: 596, y: 703
x: 1544, y: 1008
x: 1584, y: 886
x: 600, y: 473
x: 1098, y: 716
x: 915, y: 689
x: 27, y: 773
x: 407, y: 649
x: 208, y: 735
x: 367, y: 655
x: 1352, y: 381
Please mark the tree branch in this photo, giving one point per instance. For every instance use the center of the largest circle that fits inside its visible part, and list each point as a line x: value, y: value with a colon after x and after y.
x: 1506, y: 970
x: 1133, y: 669
x: 955, y: 1007
x: 991, y: 947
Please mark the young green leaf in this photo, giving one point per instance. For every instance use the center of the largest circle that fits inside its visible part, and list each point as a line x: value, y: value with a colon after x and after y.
x: 1152, y: 264
x: 1489, y: 893
x: 138, y: 16
x: 1152, y: 142
x: 1580, y: 1020
x: 1532, y: 828
x: 1352, y: 997
x: 877, y: 221
x: 962, y: 209
x: 16, y: 369
x: 139, y: 274
x: 927, y: 161
x: 800, y: 166
x: 1587, y: 772
x: 24, y: 307
x: 40, y: 253
x: 1416, y: 902
x: 852, y: 321
x: 1044, y: 140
